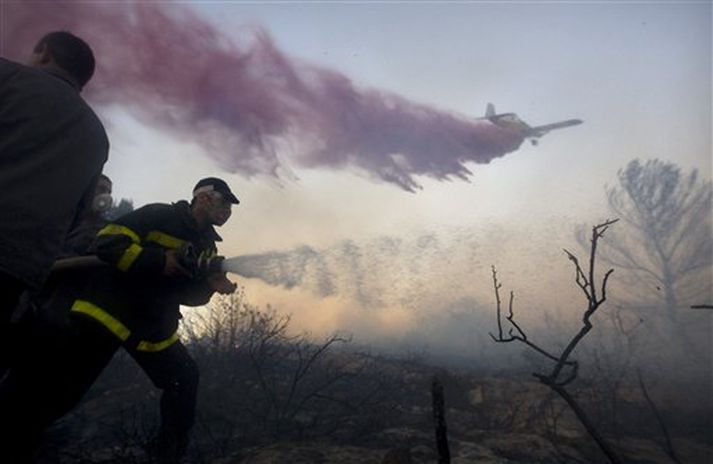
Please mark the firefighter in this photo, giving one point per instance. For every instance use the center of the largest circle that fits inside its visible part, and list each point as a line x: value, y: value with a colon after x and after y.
x: 131, y: 303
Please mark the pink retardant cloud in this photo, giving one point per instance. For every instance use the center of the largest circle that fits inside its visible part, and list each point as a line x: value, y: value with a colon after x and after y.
x: 177, y: 72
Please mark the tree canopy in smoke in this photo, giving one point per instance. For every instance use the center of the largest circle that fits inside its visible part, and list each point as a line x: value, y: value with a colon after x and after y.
x: 245, y: 102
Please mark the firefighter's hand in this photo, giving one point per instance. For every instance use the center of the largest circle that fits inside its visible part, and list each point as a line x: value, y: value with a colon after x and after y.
x: 173, y: 266
x: 220, y: 283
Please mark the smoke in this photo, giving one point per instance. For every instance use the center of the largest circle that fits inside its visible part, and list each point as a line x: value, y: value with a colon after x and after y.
x: 245, y: 102
x: 433, y: 291
x: 428, y: 292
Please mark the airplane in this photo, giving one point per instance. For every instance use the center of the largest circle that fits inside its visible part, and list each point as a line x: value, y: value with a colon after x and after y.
x: 512, y: 121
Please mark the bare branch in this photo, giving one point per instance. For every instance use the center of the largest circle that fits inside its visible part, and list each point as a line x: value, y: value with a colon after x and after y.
x: 604, y: 285
x: 597, y: 233
x: 668, y: 444
x: 580, y: 278
x: 592, y: 302
x: 582, y: 416
x: 572, y: 374
x: 702, y: 307
x: 545, y: 353
x: 497, y: 299
x: 521, y: 336
x: 511, y: 318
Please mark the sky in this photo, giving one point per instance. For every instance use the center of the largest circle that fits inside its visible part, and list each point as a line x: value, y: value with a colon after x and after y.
x: 411, y: 227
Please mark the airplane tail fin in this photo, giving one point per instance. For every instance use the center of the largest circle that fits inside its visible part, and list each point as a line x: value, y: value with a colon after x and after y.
x: 490, y: 110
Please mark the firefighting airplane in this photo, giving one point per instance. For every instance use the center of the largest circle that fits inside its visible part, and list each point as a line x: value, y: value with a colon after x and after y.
x: 512, y: 122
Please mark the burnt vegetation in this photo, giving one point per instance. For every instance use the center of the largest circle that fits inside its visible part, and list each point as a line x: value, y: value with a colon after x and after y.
x: 269, y: 394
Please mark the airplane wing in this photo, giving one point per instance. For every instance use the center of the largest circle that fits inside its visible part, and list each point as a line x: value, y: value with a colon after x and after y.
x: 541, y: 130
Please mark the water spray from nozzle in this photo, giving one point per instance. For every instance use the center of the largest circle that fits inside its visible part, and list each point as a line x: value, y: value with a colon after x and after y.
x: 237, y: 265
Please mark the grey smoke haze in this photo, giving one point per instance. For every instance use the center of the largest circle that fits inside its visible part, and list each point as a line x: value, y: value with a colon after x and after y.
x: 442, y: 277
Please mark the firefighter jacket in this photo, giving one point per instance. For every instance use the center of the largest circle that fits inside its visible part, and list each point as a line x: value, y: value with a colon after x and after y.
x: 131, y: 297
x: 52, y: 148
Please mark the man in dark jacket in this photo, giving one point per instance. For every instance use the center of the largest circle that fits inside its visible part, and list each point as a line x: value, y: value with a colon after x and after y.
x: 52, y: 148
x: 133, y: 302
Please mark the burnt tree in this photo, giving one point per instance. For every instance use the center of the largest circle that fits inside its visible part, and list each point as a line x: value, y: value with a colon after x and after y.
x: 564, y: 370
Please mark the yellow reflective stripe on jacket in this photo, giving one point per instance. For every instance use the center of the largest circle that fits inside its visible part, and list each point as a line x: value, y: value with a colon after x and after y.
x: 157, y: 346
x: 117, y: 328
x: 106, y: 319
x: 116, y: 229
x: 131, y: 253
x: 163, y: 239
x: 129, y: 256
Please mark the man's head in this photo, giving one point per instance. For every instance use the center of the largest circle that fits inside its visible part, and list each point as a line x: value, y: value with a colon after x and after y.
x: 102, y: 201
x: 104, y: 185
x: 212, y: 201
x: 67, y: 53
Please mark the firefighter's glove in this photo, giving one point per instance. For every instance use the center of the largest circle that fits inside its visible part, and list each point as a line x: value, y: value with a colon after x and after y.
x: 173, y: 267
x: 199, y: 265
x: 220, y: 283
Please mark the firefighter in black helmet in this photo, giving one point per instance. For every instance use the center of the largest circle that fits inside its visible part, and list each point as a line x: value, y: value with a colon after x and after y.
x: 134, y: 303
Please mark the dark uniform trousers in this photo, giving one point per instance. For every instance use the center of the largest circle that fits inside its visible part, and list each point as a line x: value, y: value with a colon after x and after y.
x: 59, y: 370
x: 10, y: 291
